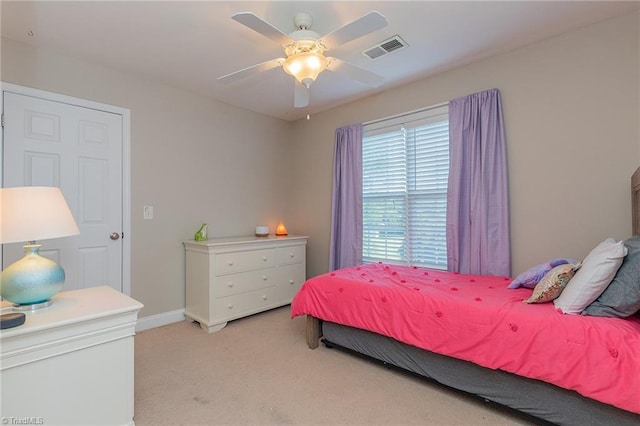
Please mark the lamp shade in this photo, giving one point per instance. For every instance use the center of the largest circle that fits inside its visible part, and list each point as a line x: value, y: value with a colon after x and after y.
x: 305, y: 66
x: 32, y: 213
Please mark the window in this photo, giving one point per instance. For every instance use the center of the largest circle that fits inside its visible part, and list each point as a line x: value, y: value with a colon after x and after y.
x: 405, y: 168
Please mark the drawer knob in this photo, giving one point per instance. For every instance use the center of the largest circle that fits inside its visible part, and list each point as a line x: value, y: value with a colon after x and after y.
x: 291, y: 255
x: 264, y: 297
x: 264, y: 258
x: 230, y: 306
x: 230, y: 262
x: 230, y: 283
x: 264, y: 278
x: 291, y: 282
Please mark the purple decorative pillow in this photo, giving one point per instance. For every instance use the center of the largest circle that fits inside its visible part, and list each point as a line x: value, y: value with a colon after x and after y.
x: 532, y: 276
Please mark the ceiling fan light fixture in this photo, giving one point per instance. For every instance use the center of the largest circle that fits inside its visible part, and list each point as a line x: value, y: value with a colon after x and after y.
x: 304, y: 50
x: 305, y: 66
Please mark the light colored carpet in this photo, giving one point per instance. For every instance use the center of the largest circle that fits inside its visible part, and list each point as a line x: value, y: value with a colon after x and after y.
x: 259, y: 371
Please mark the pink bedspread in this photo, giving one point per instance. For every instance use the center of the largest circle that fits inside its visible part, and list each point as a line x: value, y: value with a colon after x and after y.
x: 476, y: 318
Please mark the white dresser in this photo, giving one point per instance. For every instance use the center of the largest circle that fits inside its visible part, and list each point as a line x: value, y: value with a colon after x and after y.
x: 229, y: 278
x: 72, y: 362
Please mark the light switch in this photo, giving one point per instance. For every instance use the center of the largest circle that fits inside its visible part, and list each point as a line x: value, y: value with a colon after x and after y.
x: 148, y: 212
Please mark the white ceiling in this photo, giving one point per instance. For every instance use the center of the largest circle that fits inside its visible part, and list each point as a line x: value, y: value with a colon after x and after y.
x: 188, y: 44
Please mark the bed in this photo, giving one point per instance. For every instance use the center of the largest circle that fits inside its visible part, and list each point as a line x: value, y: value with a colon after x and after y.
x: 473, y: 334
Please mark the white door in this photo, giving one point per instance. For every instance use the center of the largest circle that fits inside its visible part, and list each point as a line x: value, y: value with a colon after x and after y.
x: 79, y: 150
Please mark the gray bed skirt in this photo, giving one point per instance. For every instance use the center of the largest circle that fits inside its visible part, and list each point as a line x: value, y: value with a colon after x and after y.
x: 536, y: 398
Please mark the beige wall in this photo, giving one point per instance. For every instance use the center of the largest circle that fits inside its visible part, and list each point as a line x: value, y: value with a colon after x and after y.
x: 572, y: 121
x: 195, y: 160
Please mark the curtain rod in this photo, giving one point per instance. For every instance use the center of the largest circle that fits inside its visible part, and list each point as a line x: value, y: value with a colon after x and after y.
x: 405, y: 113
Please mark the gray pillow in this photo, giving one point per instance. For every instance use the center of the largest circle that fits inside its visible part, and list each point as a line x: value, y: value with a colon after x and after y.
x: 621, y: 298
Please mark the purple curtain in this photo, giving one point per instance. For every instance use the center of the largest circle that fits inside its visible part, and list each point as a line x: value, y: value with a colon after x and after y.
x: 477, y: 199
x: 346, y: 215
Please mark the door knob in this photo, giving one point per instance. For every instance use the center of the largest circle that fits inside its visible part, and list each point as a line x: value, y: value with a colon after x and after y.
x: 114, y: 236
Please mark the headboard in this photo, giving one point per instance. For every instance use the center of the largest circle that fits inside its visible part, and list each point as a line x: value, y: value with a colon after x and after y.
x: 635, y: 201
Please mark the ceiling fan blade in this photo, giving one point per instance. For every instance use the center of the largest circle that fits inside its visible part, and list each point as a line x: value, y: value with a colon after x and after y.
x: 259, y: 25
x: 301, y: 95
x: 254, y: 69
x: 366, y: 24
x: 355, y: 72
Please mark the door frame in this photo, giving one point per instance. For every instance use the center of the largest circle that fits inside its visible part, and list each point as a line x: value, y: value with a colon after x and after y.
x: 126, y: 160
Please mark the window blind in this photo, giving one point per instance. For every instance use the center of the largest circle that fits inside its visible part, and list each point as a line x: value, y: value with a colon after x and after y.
x: 404, y: 177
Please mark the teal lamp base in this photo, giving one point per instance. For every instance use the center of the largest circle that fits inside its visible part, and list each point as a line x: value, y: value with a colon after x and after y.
x: 30, y: 282
x: 25, y: 307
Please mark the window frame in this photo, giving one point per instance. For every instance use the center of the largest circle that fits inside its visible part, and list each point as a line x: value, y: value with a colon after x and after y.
x: 390, y: 192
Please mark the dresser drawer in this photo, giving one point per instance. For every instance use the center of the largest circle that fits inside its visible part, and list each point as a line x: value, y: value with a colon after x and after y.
x: 231, y: 263
x: 243, y: 282
x: 291, y: 279
x: 289, y: 255
x: 239, y: 305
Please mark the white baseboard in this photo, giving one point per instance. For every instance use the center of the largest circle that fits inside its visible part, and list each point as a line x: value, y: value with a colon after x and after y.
x: 158, y: 320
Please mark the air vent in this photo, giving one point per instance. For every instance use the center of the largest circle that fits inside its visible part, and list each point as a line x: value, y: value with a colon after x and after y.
x: 387, y: 46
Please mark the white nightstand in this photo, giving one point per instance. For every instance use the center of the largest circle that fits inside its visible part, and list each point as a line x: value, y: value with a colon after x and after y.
x: 71, y: 363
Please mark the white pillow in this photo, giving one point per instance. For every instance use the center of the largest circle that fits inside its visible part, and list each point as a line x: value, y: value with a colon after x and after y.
x: 597, y: 271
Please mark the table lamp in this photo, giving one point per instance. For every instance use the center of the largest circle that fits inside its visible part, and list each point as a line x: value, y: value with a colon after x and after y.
x: 281, y: 230
x: 28, y: 214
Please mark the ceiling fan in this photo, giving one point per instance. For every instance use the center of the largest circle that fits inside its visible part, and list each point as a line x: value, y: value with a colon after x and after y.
x: 305, y: 49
